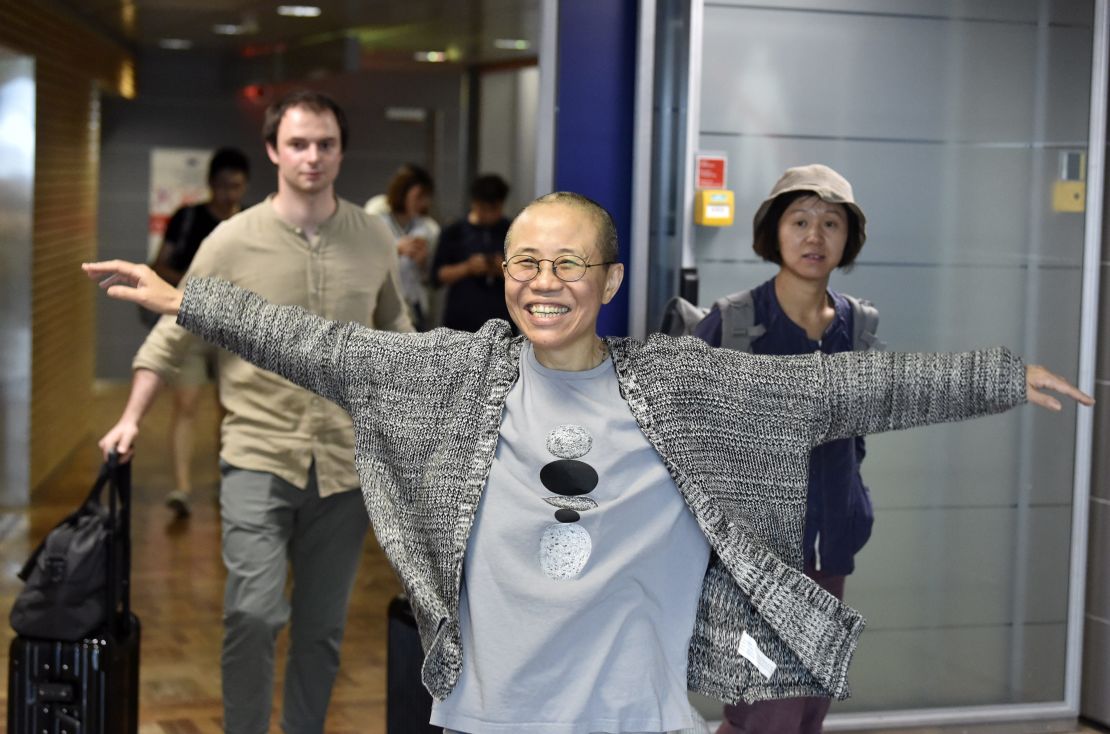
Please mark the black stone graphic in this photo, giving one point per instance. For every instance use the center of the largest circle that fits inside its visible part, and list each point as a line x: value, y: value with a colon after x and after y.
x: 569, y: 477
x: 566, y: 516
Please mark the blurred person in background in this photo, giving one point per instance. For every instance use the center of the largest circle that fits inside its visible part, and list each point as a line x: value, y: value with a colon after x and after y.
x: 228, y: 175
x: 404, y: 208
x: 469, y: 258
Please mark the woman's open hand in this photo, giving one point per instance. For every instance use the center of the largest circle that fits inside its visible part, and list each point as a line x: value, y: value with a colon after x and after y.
x: 1038, y: 379
x: 136, y: 283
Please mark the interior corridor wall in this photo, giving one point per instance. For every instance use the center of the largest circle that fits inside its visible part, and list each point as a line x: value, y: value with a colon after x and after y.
x: 74, y: 67
x: 193, y: 100
x: 951, y: 121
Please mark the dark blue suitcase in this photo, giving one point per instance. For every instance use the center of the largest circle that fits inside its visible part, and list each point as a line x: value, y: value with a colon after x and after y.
x: 90, y: 686
x: 86, y: 687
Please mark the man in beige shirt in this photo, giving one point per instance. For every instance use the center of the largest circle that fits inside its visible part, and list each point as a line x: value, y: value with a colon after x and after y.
x: 288, y: 493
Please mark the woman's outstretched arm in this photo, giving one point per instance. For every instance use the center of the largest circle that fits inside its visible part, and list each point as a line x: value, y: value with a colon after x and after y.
x: 870, y: 392
x: 288, y: 340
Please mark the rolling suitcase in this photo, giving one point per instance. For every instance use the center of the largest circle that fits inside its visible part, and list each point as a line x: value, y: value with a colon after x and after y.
x: 88, y: 685
x: 408, y: 704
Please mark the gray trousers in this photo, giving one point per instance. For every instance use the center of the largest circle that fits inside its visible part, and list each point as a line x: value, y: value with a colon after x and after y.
x: 269, y: 527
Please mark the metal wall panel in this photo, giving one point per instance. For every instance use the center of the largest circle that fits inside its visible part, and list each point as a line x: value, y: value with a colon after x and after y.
x: 17, y: 178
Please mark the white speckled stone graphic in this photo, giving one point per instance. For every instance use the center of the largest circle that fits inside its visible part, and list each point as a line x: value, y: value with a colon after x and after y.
x: 579, y: 504
x: 564, y: 550
x: 569, y: 441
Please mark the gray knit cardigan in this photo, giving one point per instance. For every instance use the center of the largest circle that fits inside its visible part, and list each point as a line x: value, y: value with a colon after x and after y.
x: 735, y: 431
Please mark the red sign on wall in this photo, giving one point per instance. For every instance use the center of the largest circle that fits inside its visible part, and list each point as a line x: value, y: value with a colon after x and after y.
x: 709, y: 170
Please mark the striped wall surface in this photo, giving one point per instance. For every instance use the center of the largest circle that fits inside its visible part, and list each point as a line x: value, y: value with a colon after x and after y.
x: 73, y: 66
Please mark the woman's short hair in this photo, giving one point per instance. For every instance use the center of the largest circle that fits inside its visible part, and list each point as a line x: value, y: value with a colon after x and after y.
x: 607, y: 244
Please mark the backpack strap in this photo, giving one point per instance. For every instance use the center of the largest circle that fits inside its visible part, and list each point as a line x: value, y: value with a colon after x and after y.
x: 187, y: 225
x: 865, y: 325
x: 680, y: 317
x: 738, y: 326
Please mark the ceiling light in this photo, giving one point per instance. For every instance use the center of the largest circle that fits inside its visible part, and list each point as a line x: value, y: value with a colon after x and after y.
x: 228, y: 29
x: 176, y: 44
x: 127, y: 15
x: 512, y: 44
x: 434, y: 57
x: 299, y: 11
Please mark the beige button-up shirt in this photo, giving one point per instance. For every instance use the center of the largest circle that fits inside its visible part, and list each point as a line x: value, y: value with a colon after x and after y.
x: 348, y: 272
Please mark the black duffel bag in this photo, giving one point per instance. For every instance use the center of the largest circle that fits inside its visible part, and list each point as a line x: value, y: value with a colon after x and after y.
x: 72, y: 577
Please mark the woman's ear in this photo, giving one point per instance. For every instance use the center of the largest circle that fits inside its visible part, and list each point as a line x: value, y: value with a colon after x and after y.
x: 613, y: 279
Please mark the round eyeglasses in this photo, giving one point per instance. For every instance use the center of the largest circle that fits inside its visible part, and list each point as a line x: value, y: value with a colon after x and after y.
x: 567, y: 268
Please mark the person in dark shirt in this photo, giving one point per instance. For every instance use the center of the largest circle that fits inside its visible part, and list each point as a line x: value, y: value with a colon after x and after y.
x: 228, y: 174
x: 469, y: 258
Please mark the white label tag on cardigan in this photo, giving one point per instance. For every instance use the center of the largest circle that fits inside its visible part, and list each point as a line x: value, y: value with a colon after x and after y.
x: 751, y: 652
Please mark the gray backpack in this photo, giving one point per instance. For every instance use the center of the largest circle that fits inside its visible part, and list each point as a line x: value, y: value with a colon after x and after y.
x: 739, y: 329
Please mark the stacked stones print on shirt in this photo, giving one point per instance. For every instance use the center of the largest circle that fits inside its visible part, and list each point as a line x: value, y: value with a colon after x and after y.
x: 565, y: 546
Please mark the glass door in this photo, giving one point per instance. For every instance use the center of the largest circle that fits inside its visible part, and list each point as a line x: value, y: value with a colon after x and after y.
x: 964, y: 129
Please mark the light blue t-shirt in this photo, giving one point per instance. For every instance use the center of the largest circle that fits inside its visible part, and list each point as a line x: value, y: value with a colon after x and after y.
x: 578, y: 623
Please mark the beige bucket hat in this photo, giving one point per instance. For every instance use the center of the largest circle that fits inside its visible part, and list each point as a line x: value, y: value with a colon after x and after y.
x: 821, y: 180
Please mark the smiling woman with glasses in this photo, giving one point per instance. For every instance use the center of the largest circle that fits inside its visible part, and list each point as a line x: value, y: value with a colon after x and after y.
x: 587, y: 527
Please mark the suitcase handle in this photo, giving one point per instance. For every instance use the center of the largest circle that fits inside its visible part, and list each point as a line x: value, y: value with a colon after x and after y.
x: 54, y: 693
x: 119, y: 557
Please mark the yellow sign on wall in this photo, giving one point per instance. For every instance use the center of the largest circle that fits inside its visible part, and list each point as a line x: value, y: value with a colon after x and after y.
x: 714, y: 208
x: 1069, y: 196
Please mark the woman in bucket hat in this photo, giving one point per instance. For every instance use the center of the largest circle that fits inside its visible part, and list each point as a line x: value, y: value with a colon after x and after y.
x: 809, y: 226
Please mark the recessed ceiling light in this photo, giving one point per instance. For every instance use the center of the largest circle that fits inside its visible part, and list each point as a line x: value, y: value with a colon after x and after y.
x: 434, y: 57
x: 512, y: 44
x: 299, y: 11
x: 228, y: 29
x: 176, y: 44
